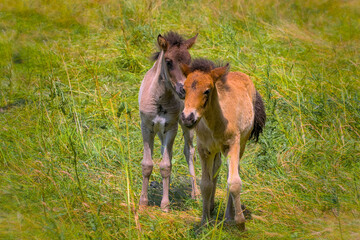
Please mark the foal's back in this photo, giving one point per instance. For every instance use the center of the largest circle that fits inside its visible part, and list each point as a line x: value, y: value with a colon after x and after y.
x: 237, y: 96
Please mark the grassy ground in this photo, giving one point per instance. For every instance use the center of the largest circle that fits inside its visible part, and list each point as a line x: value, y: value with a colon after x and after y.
x: 70, y: 142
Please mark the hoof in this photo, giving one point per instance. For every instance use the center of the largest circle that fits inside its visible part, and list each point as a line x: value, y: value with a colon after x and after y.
x: 240, y: 222
x: 165, y: 207
x: 142, y: 208
x: 240, y: 226
x: 195, y: 194
x: 143, y: 202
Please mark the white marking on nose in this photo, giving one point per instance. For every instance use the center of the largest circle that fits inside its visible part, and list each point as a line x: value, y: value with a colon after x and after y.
x: 187, y: 112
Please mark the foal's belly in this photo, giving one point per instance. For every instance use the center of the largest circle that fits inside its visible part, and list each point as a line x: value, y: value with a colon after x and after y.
x: 160, y: 122
x: 161, y: 116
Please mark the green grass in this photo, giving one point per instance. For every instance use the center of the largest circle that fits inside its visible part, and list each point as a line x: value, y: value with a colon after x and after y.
x: 70, y: 141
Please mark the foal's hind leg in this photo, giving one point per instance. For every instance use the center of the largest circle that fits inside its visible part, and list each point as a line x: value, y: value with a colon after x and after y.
x: 235, y: 184
x: 189, y: 152
x: 230, y: 211
x: 147, y: 163
x: 167, y: 141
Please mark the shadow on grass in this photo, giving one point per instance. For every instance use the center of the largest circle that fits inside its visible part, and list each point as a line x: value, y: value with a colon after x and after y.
x: 179, y: 195
x: 17, y: 103
x: 229, y: 228
x: 180, y: 200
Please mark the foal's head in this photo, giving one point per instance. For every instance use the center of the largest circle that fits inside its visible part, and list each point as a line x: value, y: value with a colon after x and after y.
x: 199, y: 87
x: 175, y: 53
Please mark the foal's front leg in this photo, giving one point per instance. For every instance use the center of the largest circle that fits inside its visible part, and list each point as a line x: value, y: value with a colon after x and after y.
x: 189, y: 152
x: 207, y: 184
x: 217, y: 164
x: 147, y: 163
x: 167, y: 141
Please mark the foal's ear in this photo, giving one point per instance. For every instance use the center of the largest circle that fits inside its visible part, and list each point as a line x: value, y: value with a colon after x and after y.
x: 185, y: 69
x: 162, y: 42
x: 190, y: 42
x: 217, y: 73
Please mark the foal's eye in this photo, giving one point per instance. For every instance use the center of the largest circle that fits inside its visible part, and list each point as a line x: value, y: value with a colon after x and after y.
x: 169, y: 63
x: 207, y: 92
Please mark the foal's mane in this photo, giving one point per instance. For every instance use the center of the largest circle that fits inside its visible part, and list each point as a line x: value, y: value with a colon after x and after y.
x: 205, y: 65
x: 202, y: 64
x: 173, y: 38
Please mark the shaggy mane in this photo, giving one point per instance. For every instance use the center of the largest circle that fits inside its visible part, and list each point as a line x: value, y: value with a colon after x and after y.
x: 205, y: 65
x: 173, y: 38
x: 202, y: 64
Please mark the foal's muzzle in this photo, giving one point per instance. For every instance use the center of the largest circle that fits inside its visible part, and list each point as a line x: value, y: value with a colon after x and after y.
x: 179, y: 88
x: 189, y: 120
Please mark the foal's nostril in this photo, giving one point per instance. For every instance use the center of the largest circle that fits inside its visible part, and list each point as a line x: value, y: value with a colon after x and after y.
x: 188, y: 120
x: 182, y: 116
x: 191, y: 117
x: 182, y: 90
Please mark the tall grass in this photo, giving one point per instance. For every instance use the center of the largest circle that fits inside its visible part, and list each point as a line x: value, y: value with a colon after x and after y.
x: 70, y: 141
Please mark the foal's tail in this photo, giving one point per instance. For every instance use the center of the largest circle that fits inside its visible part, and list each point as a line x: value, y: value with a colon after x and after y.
x: 259, y: 119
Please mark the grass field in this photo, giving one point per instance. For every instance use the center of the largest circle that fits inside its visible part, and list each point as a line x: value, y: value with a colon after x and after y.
x: 70, y: 141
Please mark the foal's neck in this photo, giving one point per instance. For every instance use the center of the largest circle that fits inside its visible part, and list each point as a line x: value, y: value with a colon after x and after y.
x: 214, y: 116
x: 158, y: 80
x: 160, y: 88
